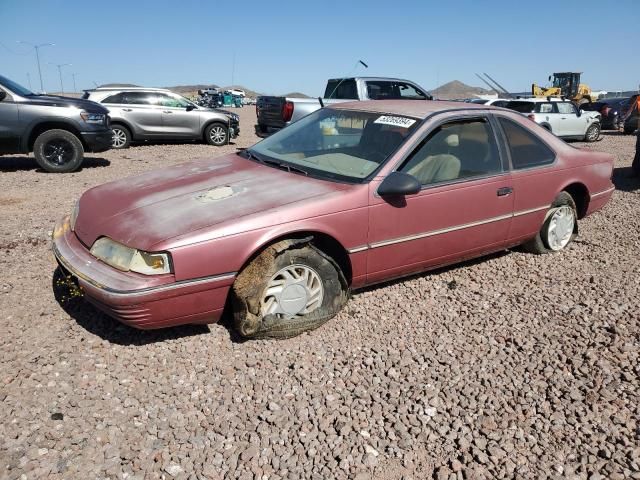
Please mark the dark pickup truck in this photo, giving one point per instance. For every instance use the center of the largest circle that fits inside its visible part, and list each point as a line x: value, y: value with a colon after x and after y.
x: 275, y: 113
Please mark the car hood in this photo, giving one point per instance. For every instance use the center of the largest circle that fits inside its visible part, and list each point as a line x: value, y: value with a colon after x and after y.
x: 144, y: 210
x: 57, y: 101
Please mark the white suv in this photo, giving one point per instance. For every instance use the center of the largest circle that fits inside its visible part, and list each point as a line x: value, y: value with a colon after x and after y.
x: 561, y: 117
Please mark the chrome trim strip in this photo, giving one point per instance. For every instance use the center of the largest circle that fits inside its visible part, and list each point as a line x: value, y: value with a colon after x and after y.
x: 604, y: 192
x: 432, y: 233
x: 128, y: 293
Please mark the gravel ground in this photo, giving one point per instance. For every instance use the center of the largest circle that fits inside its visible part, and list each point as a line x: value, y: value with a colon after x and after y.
x: 513, y: 366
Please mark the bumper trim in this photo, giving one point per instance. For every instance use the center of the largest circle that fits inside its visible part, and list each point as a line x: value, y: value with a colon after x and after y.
x: 142, y: 291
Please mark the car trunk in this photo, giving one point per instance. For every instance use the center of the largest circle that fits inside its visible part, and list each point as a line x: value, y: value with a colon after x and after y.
x: 269, y: 111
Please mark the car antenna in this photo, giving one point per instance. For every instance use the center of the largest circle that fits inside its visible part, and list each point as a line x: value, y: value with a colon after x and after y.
x: 359, y: 62
x: 321, y: 102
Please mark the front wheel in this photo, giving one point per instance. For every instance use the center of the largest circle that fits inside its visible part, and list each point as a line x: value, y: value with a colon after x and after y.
x: 58, y: 151
x: 593, y: 132
x: 121, y: 137
x: 217, y: 134
x: 286, y: 290
x: 559, y: 229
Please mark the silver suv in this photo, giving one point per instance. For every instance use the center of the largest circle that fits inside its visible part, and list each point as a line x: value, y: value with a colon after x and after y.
x: 560, y: 117
x: 158, y: 114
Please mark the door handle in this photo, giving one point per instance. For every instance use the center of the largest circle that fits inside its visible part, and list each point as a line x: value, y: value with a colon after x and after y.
x: 127, y: 109
x: 167, y: 111
x: 504, y: 191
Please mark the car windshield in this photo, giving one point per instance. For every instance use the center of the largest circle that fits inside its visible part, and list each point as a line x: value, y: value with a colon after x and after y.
x: 342, y: 145
x: 14, y: 87
x: 522, y: 107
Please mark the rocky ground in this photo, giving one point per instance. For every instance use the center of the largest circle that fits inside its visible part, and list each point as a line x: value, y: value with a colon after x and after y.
x: 513, y: 366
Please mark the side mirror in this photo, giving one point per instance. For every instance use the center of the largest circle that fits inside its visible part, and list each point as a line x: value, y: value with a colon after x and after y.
x: 399, y: 183
x: 190, y: 107
x: 3, y: 95
x: 579, y: 114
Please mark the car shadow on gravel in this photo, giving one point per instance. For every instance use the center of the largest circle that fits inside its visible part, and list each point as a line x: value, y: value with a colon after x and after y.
x: 98, y: 323
x: 623, y: 180
x: 17, y: 164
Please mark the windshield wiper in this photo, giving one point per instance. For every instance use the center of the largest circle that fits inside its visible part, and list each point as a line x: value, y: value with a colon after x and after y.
x: 275, y: 163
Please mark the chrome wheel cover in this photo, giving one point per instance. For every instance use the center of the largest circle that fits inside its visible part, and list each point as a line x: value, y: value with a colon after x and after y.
x: 218, y: 135
x: 561, y: 226
x: 593, y: 133
x: 294, y: 290
x: 119, y: 138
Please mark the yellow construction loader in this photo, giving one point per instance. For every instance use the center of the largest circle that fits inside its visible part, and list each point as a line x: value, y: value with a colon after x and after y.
x: 565, y: 84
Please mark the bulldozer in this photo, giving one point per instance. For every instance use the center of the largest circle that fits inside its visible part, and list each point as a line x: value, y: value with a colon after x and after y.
x: 565, y: 84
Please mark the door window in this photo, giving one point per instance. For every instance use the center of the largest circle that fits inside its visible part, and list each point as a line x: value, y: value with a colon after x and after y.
x: 455, y: 151
x: 526, y: 149
x: 140, y: 98
x: 117, y: 98
x: 545, y: 108
x: 170, y: 101
x: 566, y: 108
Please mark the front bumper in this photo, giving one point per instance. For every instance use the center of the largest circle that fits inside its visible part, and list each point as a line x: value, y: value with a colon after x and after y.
x: 99, y: 141
x: 140, y: 301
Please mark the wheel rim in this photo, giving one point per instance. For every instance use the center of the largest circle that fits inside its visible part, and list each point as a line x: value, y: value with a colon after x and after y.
x: 593, y: 133
x: 217, y: 135
x: 59, y: 151
x: 119, y: 138
x: 294, y: 290
x: 561, y: 226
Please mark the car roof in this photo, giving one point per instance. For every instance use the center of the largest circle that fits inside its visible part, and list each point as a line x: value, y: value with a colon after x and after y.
x: 412, y: 108
x: 127, y: 89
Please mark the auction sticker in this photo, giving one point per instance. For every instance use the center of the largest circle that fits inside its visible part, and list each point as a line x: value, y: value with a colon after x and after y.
x: 395, y: 121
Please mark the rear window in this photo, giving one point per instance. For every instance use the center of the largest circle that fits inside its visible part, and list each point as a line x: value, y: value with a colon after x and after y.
x: 525, y: 148
x: 522, y: 107
x: 117, y: 98
x: 392, y: 90
x: 342, y: 89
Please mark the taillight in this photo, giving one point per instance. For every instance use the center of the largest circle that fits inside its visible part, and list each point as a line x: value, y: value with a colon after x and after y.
x: 287, y: 111
x: 531, y: 117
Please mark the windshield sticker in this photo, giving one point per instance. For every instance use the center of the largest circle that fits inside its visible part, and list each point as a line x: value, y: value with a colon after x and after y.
x: 395, y: 121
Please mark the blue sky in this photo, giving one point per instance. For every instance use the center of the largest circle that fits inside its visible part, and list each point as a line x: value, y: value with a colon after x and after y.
x: 284, y: 46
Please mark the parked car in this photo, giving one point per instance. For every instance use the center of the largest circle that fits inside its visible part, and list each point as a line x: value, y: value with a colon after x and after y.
x: 157, y: 114
x: 351, y: 195
x: 612, y: 111
x: 274, y: 113
x: 237, y: 92
x: 560, y: 117
x: 631, y: 122
x: 58, y: 130
x: 496, y: 102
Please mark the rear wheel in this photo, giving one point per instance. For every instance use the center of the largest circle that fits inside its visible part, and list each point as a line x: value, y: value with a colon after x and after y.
x: 217, y: 134
x: 560, y: 227
x: 121, y: 137
x: 58, y: 151
x: 593, y: 132
x: 286, y: 290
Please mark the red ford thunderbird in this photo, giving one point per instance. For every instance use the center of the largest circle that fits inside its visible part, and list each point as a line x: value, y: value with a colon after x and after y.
x: 351, y: 195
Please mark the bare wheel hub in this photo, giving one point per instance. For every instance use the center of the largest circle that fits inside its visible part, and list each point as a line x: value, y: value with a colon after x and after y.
x: 293, y: 290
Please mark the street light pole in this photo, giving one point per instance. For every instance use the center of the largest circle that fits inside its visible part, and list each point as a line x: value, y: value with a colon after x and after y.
x: 37, y: 48
x: 60, y: 65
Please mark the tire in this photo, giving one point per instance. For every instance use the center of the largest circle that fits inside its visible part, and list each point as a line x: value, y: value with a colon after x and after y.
x: 288, y: 289
x: 216, y: 134
x: 545, y: 241
x: 121, y: 137
x: 593, y: 133
x: 58, y: 151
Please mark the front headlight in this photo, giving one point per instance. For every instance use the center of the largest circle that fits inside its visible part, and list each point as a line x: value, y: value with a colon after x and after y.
x: 129, y: 259
x: 95, y: 118
x: 74, y: 216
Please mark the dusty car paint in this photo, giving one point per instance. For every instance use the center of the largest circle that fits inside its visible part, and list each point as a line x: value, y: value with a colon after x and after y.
x: 250, y: 206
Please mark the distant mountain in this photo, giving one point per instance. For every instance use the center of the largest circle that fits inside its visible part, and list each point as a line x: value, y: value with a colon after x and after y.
x: 456, y: 89
x: 189, y: 89
x: 296, y: 95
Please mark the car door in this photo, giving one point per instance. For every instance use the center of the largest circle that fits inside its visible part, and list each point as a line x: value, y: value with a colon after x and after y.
x: 573, y: 125
x: 463, y: 209
x: 143, y: 113
x: 10, y: 127
x: 176, y: 119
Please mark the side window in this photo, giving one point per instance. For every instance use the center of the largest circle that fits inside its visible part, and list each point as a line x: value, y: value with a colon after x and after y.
x: 545, y: 108
x: 140, y: 98
x: 169, y: 101
x: 526, y: 149
x: 117, y: 98
x: 566, y: 108
x: 454, y: 151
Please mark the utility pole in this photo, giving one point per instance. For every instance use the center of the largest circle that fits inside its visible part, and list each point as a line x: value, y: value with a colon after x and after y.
x: 75, y: 90
x: 37, y: 48
x: 233, y: 70
x: 60, y: 65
